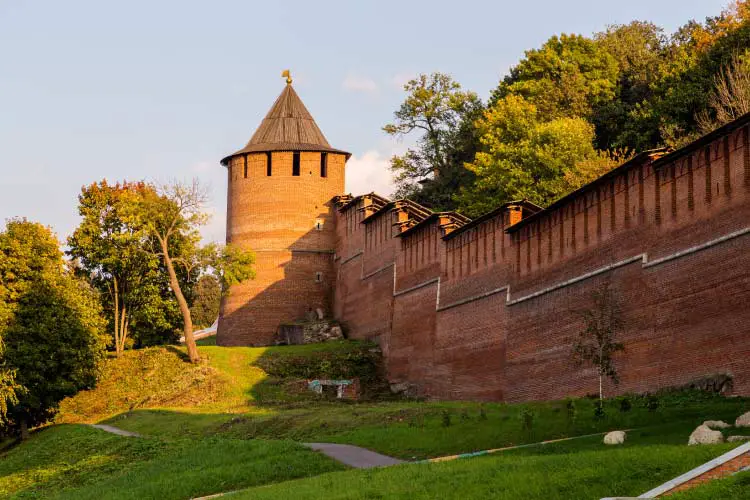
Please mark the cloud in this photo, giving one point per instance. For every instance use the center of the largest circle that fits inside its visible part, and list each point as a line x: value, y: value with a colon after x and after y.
x: 356, y: 83
x: 400, y: 79
x: 369, y: 173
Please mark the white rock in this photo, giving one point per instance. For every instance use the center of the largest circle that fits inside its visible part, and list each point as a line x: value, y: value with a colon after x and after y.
x: 704, y: 435
x: 615, y: 437
x: 716, y: 424
x: 743, y: 420
x: 737, y: 439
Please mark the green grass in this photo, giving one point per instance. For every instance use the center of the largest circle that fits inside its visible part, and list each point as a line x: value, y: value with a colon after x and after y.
x: 735, y: 487
x: 79, y: 462
x: 416, y: 430
x: 586, y: 474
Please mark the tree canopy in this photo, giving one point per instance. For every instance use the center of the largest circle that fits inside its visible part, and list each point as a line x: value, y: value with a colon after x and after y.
x: 570, y: 110
x: 52, y: 327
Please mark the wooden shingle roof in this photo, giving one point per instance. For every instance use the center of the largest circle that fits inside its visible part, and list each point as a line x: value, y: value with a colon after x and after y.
x: 288, y: 126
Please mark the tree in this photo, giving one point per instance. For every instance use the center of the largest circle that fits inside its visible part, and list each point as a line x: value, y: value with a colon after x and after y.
x: 639, y: 48
x: 205, y: 308
x: 567, y: 77
x: 115, y: 256
x: 172, y: 215
x: 443, y: 115
x: 597, y: 343
x: 524, y: 157
x: 54, y: 331
x: 730, y: 98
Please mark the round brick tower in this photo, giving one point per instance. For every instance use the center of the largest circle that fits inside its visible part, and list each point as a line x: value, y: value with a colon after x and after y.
x: 280, y: 187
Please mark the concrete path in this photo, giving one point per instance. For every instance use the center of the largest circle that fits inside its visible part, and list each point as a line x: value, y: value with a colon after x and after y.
x: 115, y: 430
x: 354, y: 456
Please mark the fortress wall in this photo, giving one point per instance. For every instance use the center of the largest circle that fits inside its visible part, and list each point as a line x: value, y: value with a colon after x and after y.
x: 498, y: 308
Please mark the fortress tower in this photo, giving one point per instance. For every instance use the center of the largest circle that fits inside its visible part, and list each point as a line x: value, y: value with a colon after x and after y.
x: 280, y: 186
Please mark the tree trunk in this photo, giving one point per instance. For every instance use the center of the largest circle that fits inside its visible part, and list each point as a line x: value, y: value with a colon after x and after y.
x: 117, y: 319
x: 24, y: 430
x: 601, y: 392
x: 188, y: 328
x: 123, y: 328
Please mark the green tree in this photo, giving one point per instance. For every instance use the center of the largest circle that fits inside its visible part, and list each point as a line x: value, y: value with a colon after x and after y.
x: 597, y: 342
x: 206, y: 301
x: 567, y: 77
x: 524, y: 157
x: 639, y: 48
x: 443, y: 115
x: 115, y: 256
x: 54, y: 330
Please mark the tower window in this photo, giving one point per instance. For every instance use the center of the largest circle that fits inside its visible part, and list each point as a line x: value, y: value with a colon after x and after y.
x: 324, y: 164
x: 319, y: 224
x: 318, y: 277
x: 295, y: 164
x: 268, y: 164
x: 245, y: 157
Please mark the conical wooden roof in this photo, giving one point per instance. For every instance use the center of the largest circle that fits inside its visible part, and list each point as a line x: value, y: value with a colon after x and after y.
x: 288, y: 126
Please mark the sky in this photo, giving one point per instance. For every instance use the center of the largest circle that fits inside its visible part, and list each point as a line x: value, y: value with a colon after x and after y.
x: 162, y: 90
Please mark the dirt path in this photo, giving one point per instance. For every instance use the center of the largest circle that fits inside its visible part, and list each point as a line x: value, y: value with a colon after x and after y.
x: 354, y: 456
x: 115, y: 430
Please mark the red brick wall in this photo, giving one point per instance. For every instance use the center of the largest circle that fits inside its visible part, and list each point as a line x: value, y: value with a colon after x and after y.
x: 490, y: 314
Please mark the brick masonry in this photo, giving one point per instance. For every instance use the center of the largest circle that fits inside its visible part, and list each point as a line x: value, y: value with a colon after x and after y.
x: 490, y: 310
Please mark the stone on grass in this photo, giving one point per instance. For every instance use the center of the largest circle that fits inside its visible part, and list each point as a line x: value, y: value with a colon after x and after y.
x: 704, y: 435
x: 743, y: 420
x: 716, y: 424
x: 615, y: 437
x: 737, y: 439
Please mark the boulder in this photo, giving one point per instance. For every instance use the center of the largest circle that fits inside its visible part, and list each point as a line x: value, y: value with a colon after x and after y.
x: 737, y: 439
x: 704, y: 435
x: 716, y: 424
x: 337, y: 332
x: 615, y: 437
x: 743, y: 420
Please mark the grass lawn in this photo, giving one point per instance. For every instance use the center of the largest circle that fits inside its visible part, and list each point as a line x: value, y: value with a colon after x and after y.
x: 416, y: 430
x: 522, y: 475
x: 79, y: 462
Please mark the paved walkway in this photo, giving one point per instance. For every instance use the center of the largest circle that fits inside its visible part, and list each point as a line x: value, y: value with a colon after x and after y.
x: 115, y: 430
x: 354, y: 456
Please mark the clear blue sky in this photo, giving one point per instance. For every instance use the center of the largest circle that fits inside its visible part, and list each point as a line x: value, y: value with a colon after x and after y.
x: 164, y: 89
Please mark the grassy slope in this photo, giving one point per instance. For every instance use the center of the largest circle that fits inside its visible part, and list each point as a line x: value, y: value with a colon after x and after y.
x: 524, y: 475
x: 74, y: 461
x: 218, y: 414
x: 414, y: 430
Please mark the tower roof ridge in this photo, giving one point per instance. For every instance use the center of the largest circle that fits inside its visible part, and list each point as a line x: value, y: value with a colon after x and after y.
x: 288, y: 126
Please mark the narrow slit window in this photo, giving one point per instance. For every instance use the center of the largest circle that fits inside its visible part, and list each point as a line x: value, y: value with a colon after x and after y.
x: 295, y: 164
x: 324, y: 164
x: 269, y: 167
x: 318, y: 277
x: 245, y: 166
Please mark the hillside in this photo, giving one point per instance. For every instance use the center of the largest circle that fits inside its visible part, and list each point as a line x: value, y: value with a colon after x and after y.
x: 236, y: 421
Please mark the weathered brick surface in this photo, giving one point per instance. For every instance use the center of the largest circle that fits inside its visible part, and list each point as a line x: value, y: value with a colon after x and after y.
x: 463, y: 335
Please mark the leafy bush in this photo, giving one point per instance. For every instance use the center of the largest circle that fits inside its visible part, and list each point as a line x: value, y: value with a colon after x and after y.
x: 334, y: 360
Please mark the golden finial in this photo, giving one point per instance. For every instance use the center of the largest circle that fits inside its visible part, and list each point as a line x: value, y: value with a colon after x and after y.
x: 288, y: 76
